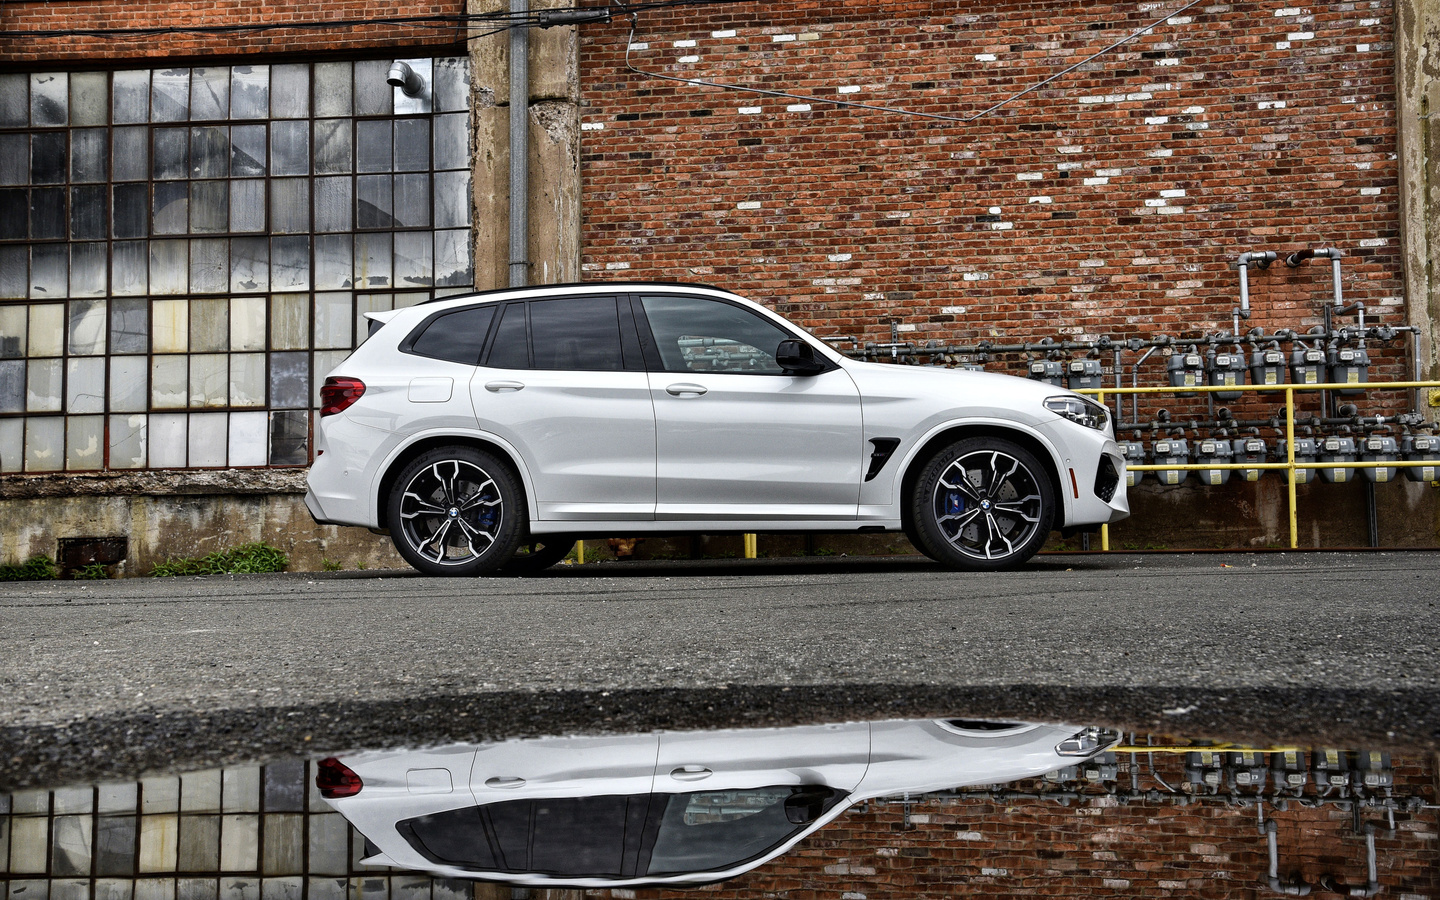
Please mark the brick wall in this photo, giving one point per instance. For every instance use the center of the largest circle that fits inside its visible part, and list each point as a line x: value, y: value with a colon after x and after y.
x: 1110, y: 202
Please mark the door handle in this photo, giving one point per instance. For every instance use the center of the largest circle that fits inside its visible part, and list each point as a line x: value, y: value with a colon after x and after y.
x: 496, y: 387
x: 690, y: 773
x: 502, y: 783
x: 676, y: 390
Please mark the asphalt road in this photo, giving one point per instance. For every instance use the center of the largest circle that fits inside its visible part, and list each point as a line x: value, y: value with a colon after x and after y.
x: 107, y: 679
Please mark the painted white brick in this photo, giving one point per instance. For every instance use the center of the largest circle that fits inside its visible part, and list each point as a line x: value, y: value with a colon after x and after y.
x: 1092, y: 263
x: 1173, y: 885
x: 798, y: 107
x: 1067, y: 166
x: 1270, y: 104
x: 976, y: 276
x: 1162, y: 153
x: 1182, y: 20
x: 724, y: 33
x: 1197, y: 126
x: 689, y: 59
x: 1366, y: 23
x: 1362, y: 48
x: 809, y: 36
x: 1173, y: 192
x: 1363, y: 165
x: 959, y: 311
x: 986, y: 57
x: 1373, y: 242
x: 1193, y: 110
x: 1287, y: 11
x: 750, y: 110
x: 1282, y: 45
x: 639, y: 45
x: 1118, y: 884
x: 1154, y: 202
x: 852, y: 895
x: 968, y: 835
x: 592, y: 126
x: 1029, y: 176
x: 748, y: 204
x: 1167, y: 61
x: 616, y: 266
x: 1139, y: 95
x: 1108, y: 173
x: 1070, y: 148
x: 1001, y: 873
x: 1300, y: 36
x: 1092, y: 99
x: 1041, y: 199
x: 903, y: 214
x: 908, y: 327
x: 994, y: 210
x: 1369, y: 192
x: 1156, y: 120
x: 680, y: 44
x: 1001, y: 226
x: 850, y: 89
x: 1093, y: 181
x: 1170, y: 211
x: 839, y: 257
x: 782, y: 38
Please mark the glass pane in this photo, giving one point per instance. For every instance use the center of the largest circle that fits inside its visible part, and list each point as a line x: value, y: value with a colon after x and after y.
x: 374, y: 205
x: 85, y: 385
x: 290, y: 206
x: 289, y: 438
x: 43, y: 440
x: 169, y: 382
x: 249, y: 264
x: 290, y: 321
x: 372, y: 142
x: 372, y: 260
x: 172, y: 208
x: 89, y: 98
x: 414, y: 259
x: 131, y: 97
x: 290, y: 264
x: 325, y: 363
x: 12, y: 387
x: 14, y: 214
x: 89, y: 213
x: 171, y: 326
x: 247, y: 380
x: 42, y: 385
x: 47, y: 158
x: 459, y: 336
x: 247, y: 150
x: 169, y: 267
x: 373, y: 95
x: 49, y: 99
x: 247, y: 205
x: 209, y: 206
x: 132, y: 210
x: 170, y: 95
x: 290, y: 380
x: 452, y: 199
x: 210, y: 93
x: 412, y: 201
x: 412, y: 145
x: 14, y: 101
x: 130, y: 269
x: 128, y: 383
x: 12, y: 331
x: 250, y: 92
x: 332, y: 89
x: 129, y: 326
x: 210, y: 266
x: 452, y: 141
x: 89, y: 151
x: 290, y: 148
x: 578, y: 334
x: 208, y: 439
x: 404, y: 301
x: 454, y: 263
x: 172, y: 153
x: 248, y: 438
x: 84, y: 436
x: 332, y: 147
x: 452, y: 83
x: 369, y: 303
x: 209, y: 151
x: 209, y: 326
x: 49, y: 271
x: 209, y: 380
x: 247, y: 323
x: 127, y: 442
x: 87, y: 327
x: 12, y: 445
x: 132, y: 154
x: 47, y: 212
x: 87, y: 271
x: 332, y: 320
x: 333, y: 262
x: 290, y: 91
x: 14, y: 159
x: 47, y: 329
x: 168, y: 441
x: 332, y: 204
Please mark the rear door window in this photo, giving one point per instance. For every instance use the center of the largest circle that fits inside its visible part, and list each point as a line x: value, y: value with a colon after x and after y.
x: 576, y: 334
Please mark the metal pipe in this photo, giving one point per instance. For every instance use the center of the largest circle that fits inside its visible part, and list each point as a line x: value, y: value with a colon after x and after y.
x: 1263, y: 259
x: 519, y: 146
x: 1297, y: 888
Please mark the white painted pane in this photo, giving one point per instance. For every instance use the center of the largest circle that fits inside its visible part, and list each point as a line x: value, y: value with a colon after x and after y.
x: 129, y: 383
x: 171, y: 326
x: 169, y: 267
x: 12, y: 332
x: 42, y: 385
x: 47, y: 329
x: 49, y: 99
x: 247, y: 323
x: 209, y: 326
x: 12, y: 445
x: 44, y: 443
x: 290, y: 322
x: 84, y: 439
x: 247, y: 379
x: 87, y: 327
x: 332, y: 320
x: 127, y: 442
x: 168, y: 440
x: 208, y: 439
x: 248, y: 438
x: 209, y: 380
x: 85, y: 385
x: 169, y: 382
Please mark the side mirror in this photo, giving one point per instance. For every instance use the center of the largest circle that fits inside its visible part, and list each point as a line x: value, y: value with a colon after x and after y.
x: 798, y: 358
x: 807, y: 804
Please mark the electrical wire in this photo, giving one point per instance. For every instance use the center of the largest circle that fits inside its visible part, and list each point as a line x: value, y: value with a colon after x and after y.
x: 850, y: 104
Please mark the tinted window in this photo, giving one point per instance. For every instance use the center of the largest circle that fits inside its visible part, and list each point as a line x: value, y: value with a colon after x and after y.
x: 510, y: 349
x: 581, y: 333
x: 694, y: 334
x: 711, y: 830
x: 455, y: 837
x: 456, y: 336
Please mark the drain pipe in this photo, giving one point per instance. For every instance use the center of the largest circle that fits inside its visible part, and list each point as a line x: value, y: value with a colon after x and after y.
x: 1372, y: 886
x: 1297, y: 888
x: 519, y: 145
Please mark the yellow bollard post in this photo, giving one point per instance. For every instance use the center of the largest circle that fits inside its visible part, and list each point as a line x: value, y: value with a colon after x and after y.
x: 580, y: 552
x: 1290, y: 461
x: 750, y: 546
x: 1105, y: 538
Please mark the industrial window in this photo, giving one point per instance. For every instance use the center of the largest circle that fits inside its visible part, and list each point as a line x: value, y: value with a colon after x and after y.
x: 186, y: 252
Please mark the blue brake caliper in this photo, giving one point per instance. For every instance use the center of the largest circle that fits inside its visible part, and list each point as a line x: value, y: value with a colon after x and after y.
x: 954, y: 503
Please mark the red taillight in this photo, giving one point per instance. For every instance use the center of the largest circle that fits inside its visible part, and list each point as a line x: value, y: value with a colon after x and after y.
x: 335, y: 779
x: 337, y: 394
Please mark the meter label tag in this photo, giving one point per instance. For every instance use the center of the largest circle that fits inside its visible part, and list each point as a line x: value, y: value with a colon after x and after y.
x: 1353, y: 377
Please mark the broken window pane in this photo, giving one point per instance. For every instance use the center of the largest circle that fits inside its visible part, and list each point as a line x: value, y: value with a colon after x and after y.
x: 171, y: 326
x: 332, y: 89
x: 168, y: 440
x: 42, y: 385
x: 129, y: 383
x: 247, y: 205
x: 170, y: 95
x: 132, y: 154
x: 87, y: 270
x: 84, y: 437
x: 333, y: 262
x: 290, y: 321
x: 249, y: 264
x: 289, y: 438
x: 87, y: 327
x: 290, y: 263
x: 85, y: 385
x: 209, y: 380
x: 207, y: 439
x: 454, y: 259
x: 169, y: 267
x: 169, y: 382
x: 247, y: 323
x: 130, y: 268
x: 210, y: 93
x: 49, y: 99
x: 209, y: 151
x: 43, y: 439
x: 414, y: 259
x: 250, y: 92
x: 247, y: 380
x: 127, y: 442
x: 210, y: 266
x: 332, y: 320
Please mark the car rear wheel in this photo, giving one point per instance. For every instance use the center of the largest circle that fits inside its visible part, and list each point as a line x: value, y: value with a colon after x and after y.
x: 457, y: 511
x: 539, y: 553
x: 983, y: 504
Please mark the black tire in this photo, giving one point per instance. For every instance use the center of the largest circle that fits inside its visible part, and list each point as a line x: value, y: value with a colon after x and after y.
x: 983, y: 504
x: 457, y: 511
x: 539, y: 553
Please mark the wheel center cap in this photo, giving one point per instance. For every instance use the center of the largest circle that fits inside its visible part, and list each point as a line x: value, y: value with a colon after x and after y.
x: 454, y: 512
x: 984, y: 504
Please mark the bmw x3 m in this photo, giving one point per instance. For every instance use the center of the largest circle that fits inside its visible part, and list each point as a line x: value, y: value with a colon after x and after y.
x: 487, y: 432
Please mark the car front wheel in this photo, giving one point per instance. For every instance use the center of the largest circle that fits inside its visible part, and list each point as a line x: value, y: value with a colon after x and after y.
x: 457, y: 511
x: 983, y: 504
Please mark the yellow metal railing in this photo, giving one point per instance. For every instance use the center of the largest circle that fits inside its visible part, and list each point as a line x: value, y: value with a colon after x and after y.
x: 1290, y: 465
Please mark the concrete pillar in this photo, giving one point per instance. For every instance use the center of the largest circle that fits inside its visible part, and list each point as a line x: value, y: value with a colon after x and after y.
x: 554, y: 182
x: 1417, y: 103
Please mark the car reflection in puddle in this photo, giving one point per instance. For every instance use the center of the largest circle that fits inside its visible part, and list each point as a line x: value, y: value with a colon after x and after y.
x: 917, y: 808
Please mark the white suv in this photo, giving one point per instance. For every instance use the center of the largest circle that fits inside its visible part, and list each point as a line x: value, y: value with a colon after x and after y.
x: 487, y: 432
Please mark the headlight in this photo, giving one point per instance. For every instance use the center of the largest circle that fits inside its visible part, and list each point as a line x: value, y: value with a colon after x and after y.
x: 1088, y: 742
x: 1080, y: 411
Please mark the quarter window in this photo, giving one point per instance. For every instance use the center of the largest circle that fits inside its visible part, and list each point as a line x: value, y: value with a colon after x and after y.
x: 457, y: 336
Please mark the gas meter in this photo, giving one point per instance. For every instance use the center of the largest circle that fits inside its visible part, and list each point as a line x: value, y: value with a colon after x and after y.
x: 1247, y: 768
x: 1185, y: 370
x: 1171, y: 452
x: 1306, y: 450
x: 1373, y: 769
x: 1349, y: 365
x: 1085, y: 373
x: 1331, y: 768
x: 1203, y: 767
x: 1134, y: 454
x: 1337, y: 450
x: 1213, y: 452
x: 1267, y: 367
x: 1419, y: 447
x: 1228, y: 370
x: 1379, y: 448
x: 1307, y: 366
x: 1288, y: 769
x: 1100, y: 769
x: 1249, y: 450
x: 1050, y: 371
